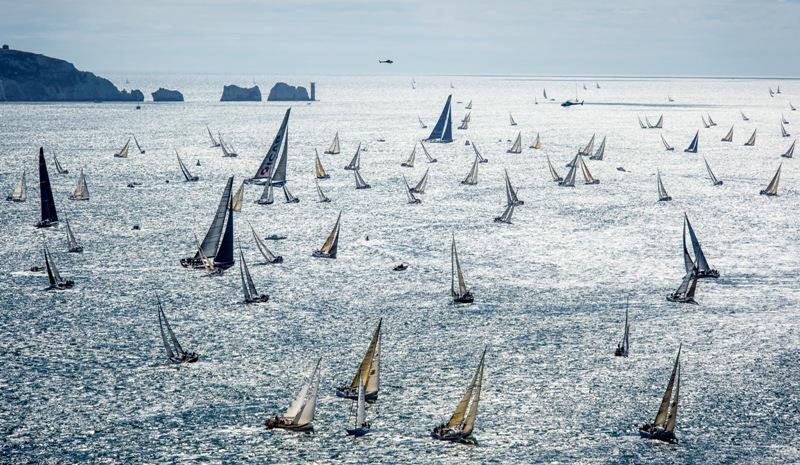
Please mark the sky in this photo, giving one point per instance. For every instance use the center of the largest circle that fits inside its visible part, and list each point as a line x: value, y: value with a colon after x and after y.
x: 510, y: 37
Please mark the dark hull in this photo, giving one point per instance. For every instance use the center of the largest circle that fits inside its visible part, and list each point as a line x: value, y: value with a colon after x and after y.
x: 498, y: 219
x: 713, y: 274
x: 72, y: 197
x: 46, y: 224
x: 595, y: 181
x: 320, y: 254
x: 406, y: 165
x: 464, y: 299
x: 278, y: 259
x: 78, y: 249
x: 278, y: 423
x: 324, y: 177
x: 365, y: 186
x: 768, y: 194
x: 681, y: 300
x: 357, y: 432
x: 453, y: 436
x: 62, y: 286
x: 665, y: 199
x: 263, y: 298
x: 658, y: 434
x: 346, y: 392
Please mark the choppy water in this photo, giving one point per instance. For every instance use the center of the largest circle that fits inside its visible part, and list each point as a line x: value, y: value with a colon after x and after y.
x: 83, y: 376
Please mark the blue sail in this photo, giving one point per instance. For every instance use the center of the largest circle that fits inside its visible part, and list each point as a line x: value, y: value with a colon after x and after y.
x: 693, y: 146
x: 443, y: 131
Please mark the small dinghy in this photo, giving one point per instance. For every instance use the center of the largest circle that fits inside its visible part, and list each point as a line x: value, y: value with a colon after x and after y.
x: 123, y: 152
x: 662, y: 193
x: 360, y: 424
x: 788, y: 154
x: 623, y: 346
x: 321, y: 197
x: 783, y: 131
x: 692, y: 148
x: 714, y: 180
x: 288, y: 195
x: 666, y: 145
x: 57, y: 282
x: 227, y: 149
x: 458, y: 287
x: 663, y: 427
x: 175, y: 353
x: 729, y: 136
x: 791, y: 107
x: 511, y: 193
x: 251, y: 294
x: 331, y: 245
x: 772, y: 188
x: 409, y: 163
x: 427, y: 155
x: 600, y: 152
x: 705, y: 123
x: 784, y: 120
x: 461, y: 424
x: 334, y: 149
x: 59, y: 168
x: 217, y: 244
x: 368, y: 370
x: 537, y: 143
x: 20, y: 192
x: 187, y: 176
x: 49, y: 217
x: 355, y: 163
x: 469, y: 106
x: 472, y: 176
x: 319, y: 171
x: 752, y: 140
x: 412, y: 199
x: 511, y: 119
x: 360, y: 183
x: 505, y: 217
x: 270, y: 257
x: 72, y: 242
x: 299, y: 416
x: 553, y: 173
x: 700, y: 265
x: 141, y: 150
x: 422, y: 184
x: 685, y: 292
x: 478, y: 154
x: 641, y: 123
x: 516, y: 147
x: 214, y: 142
x: 587, y: 176
x: 670, y: 99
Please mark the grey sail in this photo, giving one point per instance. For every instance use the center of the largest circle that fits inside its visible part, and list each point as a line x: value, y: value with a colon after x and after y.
x: 705, y: 123
x: 20, y: 192
x: 648, y: 123
x: 553, y: 173
x: 472, y: 176
x: 511, y: 193
x: 700, y: 257
x: 663, y: 410
x: 288, y: 195
x: 410, y: 195
x: 601, y: 150
x: 214, y: 142
x: 319, y: 170
x: 59, y: 168
x: 360, y: 183
x: 422, y: 125
x: 662, y: 193
x: 728, y: 137
x: 772, y: 188
x: 212, y: 238
x: 688, y: 263
x: 184, y: 170
x: 783, y: 131
x: 321, y: 197
x: 790, y: 152
x: 660, y: 123
x: 666, y: 145
x: 334, y: 148
x: 641, y: 123
x: 72, y: 242
x: 710, y: 121
x: 752, y: 140
x: 465, y: 122
x: 517, y: 146
x: 478, y: 154
x: 138, y: 146
x: 744, y: 117
x: 569, y: 180
x: 422, y: 184
x: 714, y: 180
x: 505, y: 217
x: 458, y: 286
x: 355, y: 163
x: 427, y: 155
x: 409, y: 163
x: 248, y: 286
x: 263, y: 249
x: 81, y: 191
x: 331, y: 245
x: 278, y: 151
x: 511, y: 119
x: 469, y: 105
x: 227, y: 149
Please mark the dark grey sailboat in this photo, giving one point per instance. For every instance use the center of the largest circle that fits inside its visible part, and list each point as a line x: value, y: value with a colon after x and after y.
x: 790, y: 151
x: 505, y: 217
x: 458, y: 287
x: 175, y: 353
x: 218, y: 241
x: 321, y: 197
x: 772, y: 188
x: 472, y: 176
x: 59, y: 168
x: 692, y: 148
x: 360, y: 183
x: 251, y: 294
x: 412, y: 199
x: 714, y: 180
x: 409, y: 163
x: 186, y: 174
x: 288, y: 195
x: 553, y: 173
x: 663, y: 427
x: 511, y: 193
x: 72, y: 242
x: 331, y: 245
x: 49, y: 217
x: 700, y: 264
x: 422, y: 184
x: 427, y: 155
x: 623, y: 346
x: 57, y: 283
x: 662, y: 193
x: 270, y: 257
x: 685, y: 292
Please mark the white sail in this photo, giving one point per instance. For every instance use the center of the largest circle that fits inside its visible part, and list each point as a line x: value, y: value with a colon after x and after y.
x: 569, y: 180
x: 752, y: 140
x: 72, y: 242
x: 456, y: 274
x: 123, y: 152
x: 306, y: 416
x: 319, y: 170
x: 517, y: 146
x: 409, y: 163
x: 238, y: 199
x: 601, y: 150
x: 660, y: 123
x: 355, y: 163
x: 334, y: 148
x: 361, y: 407
x: 772, y: 188
x: 321, y: 197
x: 20, y: 192
x: 714, y: 180
x: 422, y: 184
x: 81, y: 191
x: 267, y: 196
x: 505, y: 217
x: 299, y: 401
x: 472, y: 177
x: 666, y: 145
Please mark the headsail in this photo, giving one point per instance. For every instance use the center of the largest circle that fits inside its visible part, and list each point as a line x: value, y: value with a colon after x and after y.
x: 660, y: 123
x: 744, y: 118
x: 443, y: 131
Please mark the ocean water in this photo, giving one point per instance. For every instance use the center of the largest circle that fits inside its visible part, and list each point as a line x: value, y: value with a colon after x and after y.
x: 84, y: 377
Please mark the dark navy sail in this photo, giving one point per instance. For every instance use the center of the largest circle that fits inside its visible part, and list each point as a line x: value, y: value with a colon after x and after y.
x: 224, y: 257
x: 443, y: 131
x: 49, y: 215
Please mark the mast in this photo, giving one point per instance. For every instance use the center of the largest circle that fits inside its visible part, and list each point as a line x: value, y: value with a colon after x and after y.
x: 47, y: 204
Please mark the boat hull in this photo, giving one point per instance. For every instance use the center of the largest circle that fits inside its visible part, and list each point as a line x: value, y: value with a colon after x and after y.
x: 346, y: 392
x: 681, y: 300
x: 453, y: 436
x: 68, y: 284
x: 321, y: 254
x: 358, y: 432
x: 46, y: 224
x: 263, y: 298
x: 768, y: 194
x: 77, y: 249
x: 713, y: 274
x: 464, y: 299
x: 658, y: 434
x: 286, y: 424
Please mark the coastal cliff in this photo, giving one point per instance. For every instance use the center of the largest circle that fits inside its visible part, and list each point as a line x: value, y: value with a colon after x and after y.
x: 233, y: 93
x: 30, y: 77
x: 167, y: 95
x: 284, y: 92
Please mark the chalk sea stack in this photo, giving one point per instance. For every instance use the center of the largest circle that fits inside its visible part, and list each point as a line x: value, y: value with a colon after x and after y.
x: 233, y: 93
x: 167, y: 95
x: 31, y: 77
x: 282, y: 92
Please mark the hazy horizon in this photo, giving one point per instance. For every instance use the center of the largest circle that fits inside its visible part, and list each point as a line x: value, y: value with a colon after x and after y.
x: 574, y: 38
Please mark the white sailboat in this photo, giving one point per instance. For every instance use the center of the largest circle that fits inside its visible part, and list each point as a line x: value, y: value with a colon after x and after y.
x: 772, y: 188
x: 409, y: 163
x: 505, y: 217
x: 321, y: 197
x: 666, y: 145
x: 412, y: 199
x: 517, y: 146
x: 662, y: 193
x: 300, y: 414
x: 227, y: 149
x: 553, y: 173
x: 587, y: 176
x: 537, y: 143
x: 319, y: 170
x: 752, y: 140
x: 587, y: 151
x: 469, y: 106
x: 81, y: 191
x: 272, y: 169
x: 238, y: 199
x: 20, y: 192
x: 472, y: 176
x: 461, y: 424
x: 123, y: 152
x: 783, y: 131
x: 57, y: 282
x: 334, y: 148
x: 422, y: 184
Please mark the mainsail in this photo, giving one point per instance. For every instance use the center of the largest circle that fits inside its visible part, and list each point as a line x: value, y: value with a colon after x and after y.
x: 517, y: 146
x: 273, y: 166
x: 422, y: 184
x: 319, y: 171
x: 665, y: 418
x: 692, y: 148
x: 49, y: 217
x: 72, y: 242
x: 369, y: 368
x: 20, y: 192
x: 601, y: 150
x: 331, y: 245
x: 443, y: 131
x: 123, y: 152
x: 472, y: 177
x: 788, y: 154
x: 211, y: 241
x: 478, y: 154
x: 238, y: 199
x: 334, y: 148
x: 772, y: 188
x: 569, y: 181
x: 587, y: 151
x: 355, y: 163
x: 81, y: 191
x: 728, y: 137
x: 752, y: 140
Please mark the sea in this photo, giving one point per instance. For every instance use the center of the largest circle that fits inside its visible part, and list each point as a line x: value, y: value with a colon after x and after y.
x: 85, y: 378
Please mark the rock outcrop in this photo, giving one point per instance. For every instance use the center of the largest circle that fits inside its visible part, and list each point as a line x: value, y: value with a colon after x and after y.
x: 284, y: 92
x: 30, y: 77
x: 234, y: 93
x: 167, y: 95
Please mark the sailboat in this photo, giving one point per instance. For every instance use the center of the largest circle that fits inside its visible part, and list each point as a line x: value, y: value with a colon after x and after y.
x: 214, y: 142
x: 778, y: 90
x: 138, y: 146
x: 319, y: 171
x: 49, y: 217
x: 663, y: 427
x: 670, y: 99
x: 511, y: 193
x: 300, y: 414
x: 623, y: 347
x: 587, y: 176
x: 771, y: 92
x: 537, y: 143
x: 251, y: 294
x: 334, y: 148
x: 472, y: 177
x: 553, y: 173
x: 458, y: 288
x: 410, y: 195
x: 331, y: 245
x: 227, y: 149
x: 685, y: 292
x: 427, y: 155
x: 20, y: 192
x: 772, y: 188
x: 752, y: 140
x: 699, y: 265
x: 369, y: 370
x: 569, y: 180
x: 744, y: 117
x: 465, y: 122
x: 443, y: 131
x: 544, y: 94
x: 662, y: 193
x: 81, y: 191
x: 587, y: 151
x: 597, y: 85
x: 409, y: 163
x: 710, y: 121
x: 601, y: 150
x: 186, y: 174
x: 666, y: 145
x: 175, y: 353
x: 478, y: 154
x: 57, y: 283
x: 265, y: 252
x: 660, y: 123
x: 267, y: 196
x: 728, y: 137
x: 517, y: 146
x: 788, y: 154
x: 355, y: 163
x: 641, y: 123
x: 469, y: 106
x: 123, y: 152
x: 714, y: 180
x: 422, y: 125
x: 360, y: 183
x: 647, y: 123
x: 791, y: 107
x: 784, y: 120
x: 422, y: 184
x: 461, y: 424
x: 360, y: 425
x: 505, y: 217
x: 783, y: 131
x: 272, y: 169
x: 511, y: 118
x: 59, y: 168
x: 72, y: 242
x: 321, y: 197
x: 288, y: 195
x: 705, y: 123
x: 692, y: 148
x: 217, y: 244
